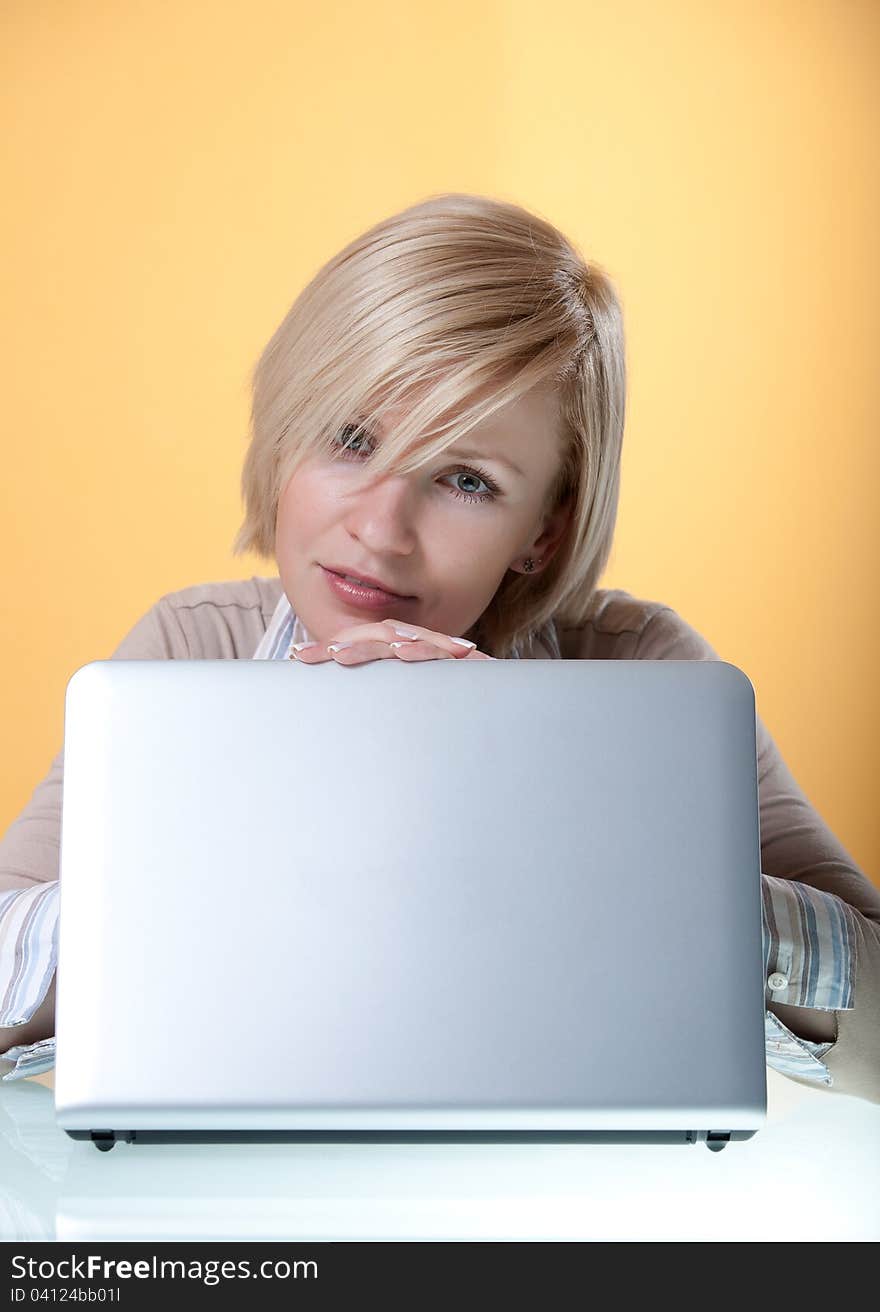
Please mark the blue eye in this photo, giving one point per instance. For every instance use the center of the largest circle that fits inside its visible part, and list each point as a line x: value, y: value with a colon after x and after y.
x: 357, y: 433
x: 482, y: 478
x: 352, y: 448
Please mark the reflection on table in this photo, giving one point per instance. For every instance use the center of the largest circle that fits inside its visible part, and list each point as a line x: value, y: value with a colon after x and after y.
x: 810, y: 1174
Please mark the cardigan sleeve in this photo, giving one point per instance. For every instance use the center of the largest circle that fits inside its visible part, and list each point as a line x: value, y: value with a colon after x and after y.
x: 30, y: 848
x: 798, y: 846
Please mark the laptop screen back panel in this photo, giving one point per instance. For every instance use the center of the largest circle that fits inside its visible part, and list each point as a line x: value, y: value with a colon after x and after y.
x: 481, y: 896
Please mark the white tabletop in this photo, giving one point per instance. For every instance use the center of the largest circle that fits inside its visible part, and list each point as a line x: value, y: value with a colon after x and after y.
x: 810, y: 1174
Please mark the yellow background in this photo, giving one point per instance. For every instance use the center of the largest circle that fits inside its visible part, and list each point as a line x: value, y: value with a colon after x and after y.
x: 175, y: 172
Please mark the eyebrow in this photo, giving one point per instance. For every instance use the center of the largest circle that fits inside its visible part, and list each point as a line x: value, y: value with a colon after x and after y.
x: 480, y: 455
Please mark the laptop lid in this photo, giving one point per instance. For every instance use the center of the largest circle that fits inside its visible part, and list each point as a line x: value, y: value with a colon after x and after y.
x: 487, y: 899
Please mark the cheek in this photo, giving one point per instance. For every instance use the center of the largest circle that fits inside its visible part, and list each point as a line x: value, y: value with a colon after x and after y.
x: 298, y: 498
x: 291, y: 520
x: 309, y: 489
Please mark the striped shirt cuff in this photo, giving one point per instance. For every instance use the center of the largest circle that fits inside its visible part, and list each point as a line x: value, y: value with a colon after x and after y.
x: 809, y: 961
x: 29, y: 1058
x: 809, y: 946
x: 790, y: 1055
x: 28, y: 958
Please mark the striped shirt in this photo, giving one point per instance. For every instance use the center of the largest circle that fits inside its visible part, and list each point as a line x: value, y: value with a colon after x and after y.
x: 808, y: 937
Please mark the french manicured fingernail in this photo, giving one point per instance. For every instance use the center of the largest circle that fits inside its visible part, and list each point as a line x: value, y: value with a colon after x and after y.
x: 298, y: 646
x: 400, y: 644
x: 337, y: 646
x: 464, y: 642
x: 405, y: 633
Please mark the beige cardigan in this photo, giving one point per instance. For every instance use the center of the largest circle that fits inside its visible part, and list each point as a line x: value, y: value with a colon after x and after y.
x: 226, y: 620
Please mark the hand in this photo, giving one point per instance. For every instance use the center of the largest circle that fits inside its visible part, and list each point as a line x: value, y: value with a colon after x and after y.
x: 372, y: 642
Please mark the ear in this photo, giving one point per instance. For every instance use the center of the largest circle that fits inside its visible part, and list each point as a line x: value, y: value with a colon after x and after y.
x: 552, y: 533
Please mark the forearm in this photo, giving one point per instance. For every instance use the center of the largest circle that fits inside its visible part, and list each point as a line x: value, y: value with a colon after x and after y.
x: 806, y: 1022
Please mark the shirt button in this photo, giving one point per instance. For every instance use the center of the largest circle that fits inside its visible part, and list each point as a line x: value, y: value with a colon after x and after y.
x: 778, y: 981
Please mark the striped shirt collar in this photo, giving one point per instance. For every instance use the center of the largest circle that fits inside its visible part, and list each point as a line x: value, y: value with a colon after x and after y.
x: 285, y: 628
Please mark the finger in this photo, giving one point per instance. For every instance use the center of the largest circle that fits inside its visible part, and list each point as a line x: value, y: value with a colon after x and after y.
x: 345, y: 653
x: 318, y: 653
x: 313, y: 654
x: 393, y: 630
x: 419, y: 651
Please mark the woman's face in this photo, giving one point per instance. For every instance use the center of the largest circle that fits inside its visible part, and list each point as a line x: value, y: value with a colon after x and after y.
x: 434, y: 534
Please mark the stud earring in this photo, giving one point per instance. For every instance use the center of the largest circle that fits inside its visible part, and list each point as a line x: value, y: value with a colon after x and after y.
x: 529, y: 565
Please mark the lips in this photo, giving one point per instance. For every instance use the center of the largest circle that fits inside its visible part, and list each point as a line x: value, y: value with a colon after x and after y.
x: 370, y: 580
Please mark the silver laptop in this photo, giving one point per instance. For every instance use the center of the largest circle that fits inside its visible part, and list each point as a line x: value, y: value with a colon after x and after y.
x: 448, y: 901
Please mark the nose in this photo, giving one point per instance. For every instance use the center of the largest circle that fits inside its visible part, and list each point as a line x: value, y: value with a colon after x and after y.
x: 382, y: 513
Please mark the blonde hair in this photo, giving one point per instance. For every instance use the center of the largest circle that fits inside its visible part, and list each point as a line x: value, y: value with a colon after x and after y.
x: 453, y: 308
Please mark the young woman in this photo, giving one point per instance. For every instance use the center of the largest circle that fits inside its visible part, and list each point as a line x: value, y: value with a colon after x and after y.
x: 434, y: 468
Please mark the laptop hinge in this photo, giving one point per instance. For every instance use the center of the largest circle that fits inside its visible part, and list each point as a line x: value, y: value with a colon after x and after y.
x: 104, y: 1140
